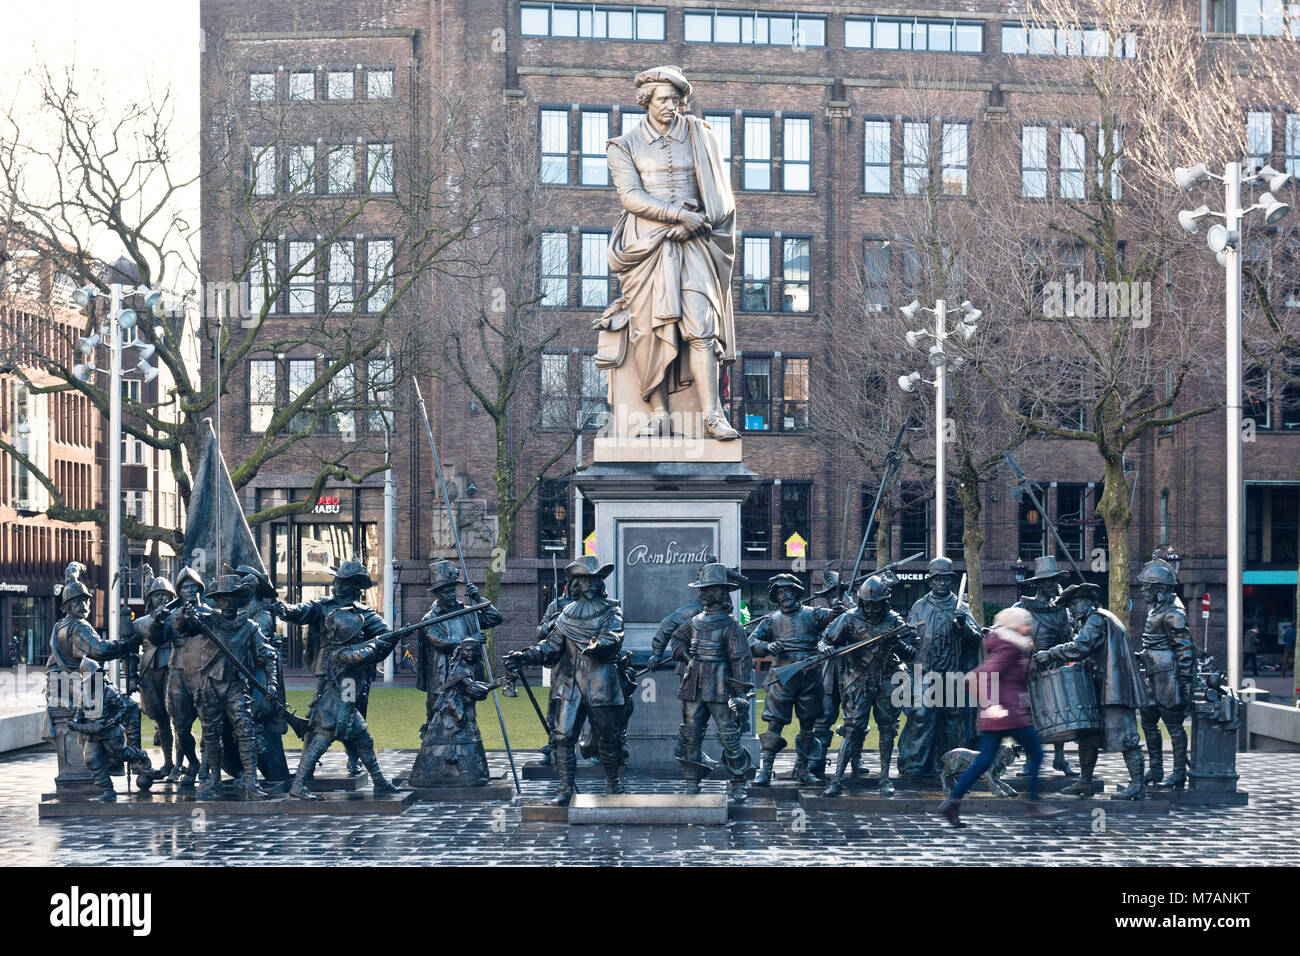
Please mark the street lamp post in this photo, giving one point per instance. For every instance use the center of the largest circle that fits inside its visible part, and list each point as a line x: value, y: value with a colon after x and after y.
x: 941, y: 362
x: 1225, y: 241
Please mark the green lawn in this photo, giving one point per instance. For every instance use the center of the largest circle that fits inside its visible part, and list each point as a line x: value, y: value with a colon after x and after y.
x: 396, y: 713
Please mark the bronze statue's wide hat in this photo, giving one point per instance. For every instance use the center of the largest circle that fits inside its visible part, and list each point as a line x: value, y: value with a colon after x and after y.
x: 784, y: 580
x: 940, y: 567
x: 262, y: 585
x: 230, y: 585
x: 587, y: 567
x: 442, y: 574
x: 665, y: 74
x: 1045, y: 569
x: 352, y: 570
x: 719, y: 576
x: 1082, y: 590
x: 189, y: 574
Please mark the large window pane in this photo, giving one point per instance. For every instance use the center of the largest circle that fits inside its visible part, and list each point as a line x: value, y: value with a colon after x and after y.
x: 555, y: 146
x: 555, y: 268
x: 595, y: 269
x: 595, y: 131
x: 756, y: 290
x: 916, y: 157
x: 955, y: 159
x: 379, y: 274
x: 1033, y: 162
x: 261, y: 394
x: 1072, y: 164
x: 795, y: 289
x: 796, y: 153
x: 877, y: 157
x: 758, y: 152
x: 794, y: 410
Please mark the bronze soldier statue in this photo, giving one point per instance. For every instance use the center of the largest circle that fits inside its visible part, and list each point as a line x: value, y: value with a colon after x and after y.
x: 351, y: 580
x: 832, y: 592
x: 108, y: 723
x: 181, y: 709
x: 153, y: 634
x: 220, y: 690
x: 1103, y: 641
x: 1051, y: 625
x: 866, y: 675
x: 582, y: 647
x: 1169, y: 660
x: 451, y: 746
x: 948, y: 644
x: 716, y: 682
x: 790, y: 634
x: 440, y: 640
x: 349, y: 648
x: 268, y: 715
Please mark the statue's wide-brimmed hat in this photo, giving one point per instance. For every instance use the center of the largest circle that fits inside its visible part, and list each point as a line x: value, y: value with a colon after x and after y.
x: 1045, y: 569
x: 940, y: 567
x: 231, y: 586
x: 442, y: 574
x: 189, y: 574
x: 587, y: 567
x: 784, y: 580
x: 262, y: 585
x: 1082, y: 590
x: 720, y: 576
x: 352, y: 570
x: 665, y: 74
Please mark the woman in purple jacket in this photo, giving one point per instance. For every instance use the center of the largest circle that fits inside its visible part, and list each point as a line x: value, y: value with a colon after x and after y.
x: 1007, y: 647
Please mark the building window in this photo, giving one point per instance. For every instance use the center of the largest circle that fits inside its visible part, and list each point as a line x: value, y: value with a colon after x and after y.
x: 590, y: 21
x: 916, y: 157
x: 379, y: 84
x: 595, y: 393
x: 261, y: 87
x: 555, y: 147
x: 1032, y: 531
x: 1089, y: 41
x: 555, y: 390
x: 262, y: 277
x: 341, y: 170
x: 796, y: 154
x: 756, y: 523
x: 343, y: 397
x: 795, y: 272
x: 914, y: 517
x: 555, y: 268
x: 302, y: 286
x: 629, y: 119
x: 302, y: 373
x: 1291, y: 399
x: 721, y: 125
x: 593, y: 165
x: 955, y: 157
x: 756, y: 290
x: 338, y: 84
x: 595, y: 269
x: 756, y: 27
x: 1257, y: 396
x: 796, y: 518
x: 1033, y: 162
x: 758, y: 152
x: 1070, y: 502
x: 379, y: 274
x: 379, y: 394
x: 1259, y: 138
x: 340, y: 277
x: 132, y: 448
x: 262, y: 170
x: 912, y: 33
x: 1267, y: 17
x: 1116, y: 166
x: 794, y: 409
x: 302, y: 170
x: 302, y: 86
x: 955, y: 523
x: 261, y: 394
x: 554, y: 518
x: 380, y: 167
x: 755, y: 402
x: 877, y: 157
x: 1073, y: 157
x: 877, y: 274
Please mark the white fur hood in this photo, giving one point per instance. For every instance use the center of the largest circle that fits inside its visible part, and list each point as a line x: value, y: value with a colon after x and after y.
x: 1021, y: 641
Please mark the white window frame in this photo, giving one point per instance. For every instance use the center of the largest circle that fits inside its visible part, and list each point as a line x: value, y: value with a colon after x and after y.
x: 796, y: 154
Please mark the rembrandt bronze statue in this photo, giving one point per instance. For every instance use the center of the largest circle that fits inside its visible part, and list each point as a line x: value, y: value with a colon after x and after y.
x: 672, y: 250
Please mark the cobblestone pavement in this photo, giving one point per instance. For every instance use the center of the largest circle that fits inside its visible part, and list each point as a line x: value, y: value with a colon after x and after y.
x: 1265, y: 832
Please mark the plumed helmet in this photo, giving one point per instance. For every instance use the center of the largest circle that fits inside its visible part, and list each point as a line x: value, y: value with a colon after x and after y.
x: 1158, y: 572
x: 262, y: 586
x: 73, y: 586
x: 230, y: 585
x: 717, y: 575
x: 875, y: 588
x: 1085, y: 590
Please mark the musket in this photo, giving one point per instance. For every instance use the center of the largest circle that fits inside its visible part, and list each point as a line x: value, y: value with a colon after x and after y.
x: 464, y: 571
x: 429, y: 622
x: 1022, y: 481
x: 786, y: 671
x: 891, y: 463
x: 298, y: 724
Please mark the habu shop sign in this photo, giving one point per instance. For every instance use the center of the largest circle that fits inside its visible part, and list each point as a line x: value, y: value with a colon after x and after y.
x: 327, y: 505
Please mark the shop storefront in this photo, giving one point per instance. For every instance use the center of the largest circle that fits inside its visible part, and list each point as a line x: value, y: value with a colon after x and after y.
x: 26, y: 619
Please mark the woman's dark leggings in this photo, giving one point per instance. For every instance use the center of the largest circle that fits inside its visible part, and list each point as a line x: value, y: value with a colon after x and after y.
x: 1027, y: 737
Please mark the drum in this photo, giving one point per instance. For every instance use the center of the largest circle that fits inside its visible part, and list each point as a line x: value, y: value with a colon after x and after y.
x: 1063, y: 703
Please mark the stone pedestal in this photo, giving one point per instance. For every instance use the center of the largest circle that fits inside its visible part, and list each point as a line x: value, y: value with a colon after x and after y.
x: 655, y: 522
x: 649, y: 809
x: 73, y: 778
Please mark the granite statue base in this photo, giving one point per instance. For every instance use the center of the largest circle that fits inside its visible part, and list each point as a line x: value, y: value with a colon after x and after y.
x: 649, y: 809
x: 175, y: 805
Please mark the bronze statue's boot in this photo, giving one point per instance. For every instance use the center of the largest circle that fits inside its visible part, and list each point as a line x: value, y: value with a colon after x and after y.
x: 771, y: 743
x: 737, y: 789
x: 565, y: 774
x: 1155, y: 756
x: 105, y: 783
x: 1136, y: 789
x: 248, y: 757
x: 764, y: 777
x: 836, y: 786
x: 212, y: 763
x: 1060, y: 763
x: 1083, y: 786
x: 886, y: 788
x: 1178, y: 779
x: 354, y: 765
x: 145, y: 775
x: 312, y: 748
x: 383, y: 787
x: 824, y: 737
x: 805, y: 745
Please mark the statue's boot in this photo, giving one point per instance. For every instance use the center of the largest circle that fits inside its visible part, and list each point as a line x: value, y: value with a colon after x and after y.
x: 704, y: 369
x: 771, y: 743
x: 1178, y: 779
x: 611, y: 761
x: 886, y: 788
x: 836, y: 786
x: 764, y: 777
x: 1155, y: 756
x: 1059, y: 762
x: 805, y: 745
x: 312, y: 748
x: 212, y: 761
x: 825, y: 736
x: 737, y: 789
x: 1136, y: 789
x: 565, y: 774
x: 1083, y: 786
x: 382, y: 785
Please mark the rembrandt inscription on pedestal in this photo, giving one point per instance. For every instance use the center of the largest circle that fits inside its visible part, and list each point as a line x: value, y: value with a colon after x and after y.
x: 657, y: 561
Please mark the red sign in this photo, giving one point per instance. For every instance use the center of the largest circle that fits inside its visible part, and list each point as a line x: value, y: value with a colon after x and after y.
x: 1205, y: 601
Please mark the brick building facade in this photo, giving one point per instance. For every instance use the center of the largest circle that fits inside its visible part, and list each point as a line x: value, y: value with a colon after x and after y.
x: 817, y: 106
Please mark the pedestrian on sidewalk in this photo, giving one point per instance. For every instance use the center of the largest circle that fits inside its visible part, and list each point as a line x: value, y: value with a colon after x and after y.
x: 1000, y: 686
x: 1250, y: 650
